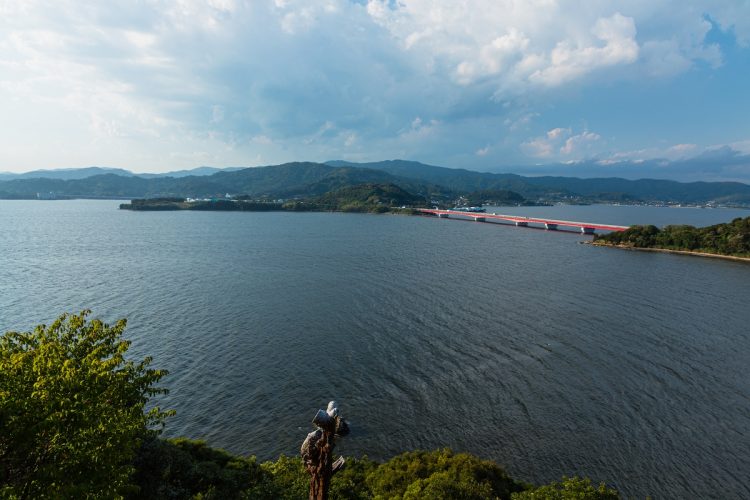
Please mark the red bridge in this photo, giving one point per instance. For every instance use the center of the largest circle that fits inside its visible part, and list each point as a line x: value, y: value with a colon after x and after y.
x: 551, y: 224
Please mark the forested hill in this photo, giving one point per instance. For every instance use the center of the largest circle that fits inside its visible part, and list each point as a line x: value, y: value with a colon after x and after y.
x: 369, y: 197
x: 732, y: 238
x: 307, y: 179
x: 287, y: 180
x: 605, y: 189
x: 455, y: 179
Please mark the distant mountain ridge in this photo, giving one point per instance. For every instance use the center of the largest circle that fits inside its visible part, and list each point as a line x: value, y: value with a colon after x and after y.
x: 613, y: 187
x: 287, y: 180
x: 66, y: 173
x: 85, y: 172
x: 305, y: 179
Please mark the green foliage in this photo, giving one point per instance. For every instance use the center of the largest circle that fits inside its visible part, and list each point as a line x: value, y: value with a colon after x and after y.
x: 74, y: 424
x: 219, y: 204
x: 351, y: 482
x: 72, y: 409
x: 307, y: 179
x: 732, y: 238
x: 368, y: 198
x: 569, y: 489
x: 182, y: 468
x: 424, y: 474
x: 377, y: 198
x: 289, y: 481
x: 494, y: 197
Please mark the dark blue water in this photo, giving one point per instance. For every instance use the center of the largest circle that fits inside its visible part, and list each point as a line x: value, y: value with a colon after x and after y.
x: 518, y: 345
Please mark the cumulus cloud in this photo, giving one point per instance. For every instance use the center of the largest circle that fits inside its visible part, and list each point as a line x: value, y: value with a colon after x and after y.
x: 735, y: 16
x: 519, y: 122
x: 482, y: 151
x: 560, y: 143
x: 546, y: 42
x: 132, y: 83
x: 579, y: 143
x: 682, y: 149
x: 567, y: 61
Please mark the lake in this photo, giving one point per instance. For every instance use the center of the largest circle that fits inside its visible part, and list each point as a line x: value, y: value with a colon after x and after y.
x: 521, y: 346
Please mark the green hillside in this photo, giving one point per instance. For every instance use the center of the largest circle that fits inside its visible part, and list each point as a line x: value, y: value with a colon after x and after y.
x: 306, y: 179
x: 598, y: 189
x: 369, y: 198
x: 732, y: 238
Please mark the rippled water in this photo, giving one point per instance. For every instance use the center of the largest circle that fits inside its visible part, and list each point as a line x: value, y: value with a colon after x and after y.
x: 519, y: 345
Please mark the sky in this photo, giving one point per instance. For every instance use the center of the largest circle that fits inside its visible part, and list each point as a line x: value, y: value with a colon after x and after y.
x: 639, y: 88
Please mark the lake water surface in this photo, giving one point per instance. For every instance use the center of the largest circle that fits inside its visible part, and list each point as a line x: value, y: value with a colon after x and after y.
x: 519, y: 345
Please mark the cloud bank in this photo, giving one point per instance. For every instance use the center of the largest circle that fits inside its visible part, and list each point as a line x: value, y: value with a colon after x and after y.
x: 158, y: 85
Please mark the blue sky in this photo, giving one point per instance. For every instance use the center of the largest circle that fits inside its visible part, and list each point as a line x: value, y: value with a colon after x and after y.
x: 644, y: 88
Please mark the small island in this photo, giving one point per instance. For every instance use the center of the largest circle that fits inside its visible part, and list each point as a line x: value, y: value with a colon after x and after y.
x: 729, y: 240
x: 374, y: 198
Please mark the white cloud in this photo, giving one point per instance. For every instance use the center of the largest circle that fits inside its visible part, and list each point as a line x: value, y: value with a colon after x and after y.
x: 141, y: 78
x: 579, y: 144
x: 419, y: 130
x: 539, y: 147
x: 662, y: 58
x: 544, y: 42
x: 682, y: 149
x: 734, y: 15
x: 561, y: 143
x: 558, y: 133
x: 493, y: 58
x: 568, y: 61
x: 299, y: 16
x: 223, y: 5
x: 674, y: 152
x: 520, y: 122
x: 742, y: 146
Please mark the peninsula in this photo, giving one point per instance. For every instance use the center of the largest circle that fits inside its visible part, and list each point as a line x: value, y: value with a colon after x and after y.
x: 728, y: 240
x: 367, y: 197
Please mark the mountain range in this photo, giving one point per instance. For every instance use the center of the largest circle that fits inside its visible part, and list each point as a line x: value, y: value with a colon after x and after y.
x: 83, y: 173
x: 304, y: 179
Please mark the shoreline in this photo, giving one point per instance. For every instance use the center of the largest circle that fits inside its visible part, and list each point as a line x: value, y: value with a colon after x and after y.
x: 668, y: 250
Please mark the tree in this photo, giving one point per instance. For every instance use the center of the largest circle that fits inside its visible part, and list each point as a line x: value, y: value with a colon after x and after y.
x: 183, y: 468
x: 573, y: 488
x: 72, y: 409
x: 440, y: 474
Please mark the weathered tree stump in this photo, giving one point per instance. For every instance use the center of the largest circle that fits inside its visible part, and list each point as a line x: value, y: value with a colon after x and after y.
x: 317, y: 450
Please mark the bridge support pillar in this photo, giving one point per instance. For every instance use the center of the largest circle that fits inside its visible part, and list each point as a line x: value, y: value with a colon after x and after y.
x: 522, y: 223
x: 549, y: 226
x: 479, y: 219
x: 442, y: 216
x: 587, y: 230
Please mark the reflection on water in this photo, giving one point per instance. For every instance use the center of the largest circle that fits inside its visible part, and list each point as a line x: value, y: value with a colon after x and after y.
x: 521, y: 346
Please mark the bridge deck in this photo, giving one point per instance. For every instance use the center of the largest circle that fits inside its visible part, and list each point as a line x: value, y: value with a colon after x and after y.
x: 528, y: 220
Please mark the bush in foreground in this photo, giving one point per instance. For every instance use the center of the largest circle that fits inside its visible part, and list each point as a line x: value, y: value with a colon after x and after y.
x: 73, y: 424
x: 72, y: 409
x: 182, y: 468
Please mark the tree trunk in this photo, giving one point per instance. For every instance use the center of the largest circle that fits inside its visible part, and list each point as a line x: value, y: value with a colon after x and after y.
x: 320, y: 478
